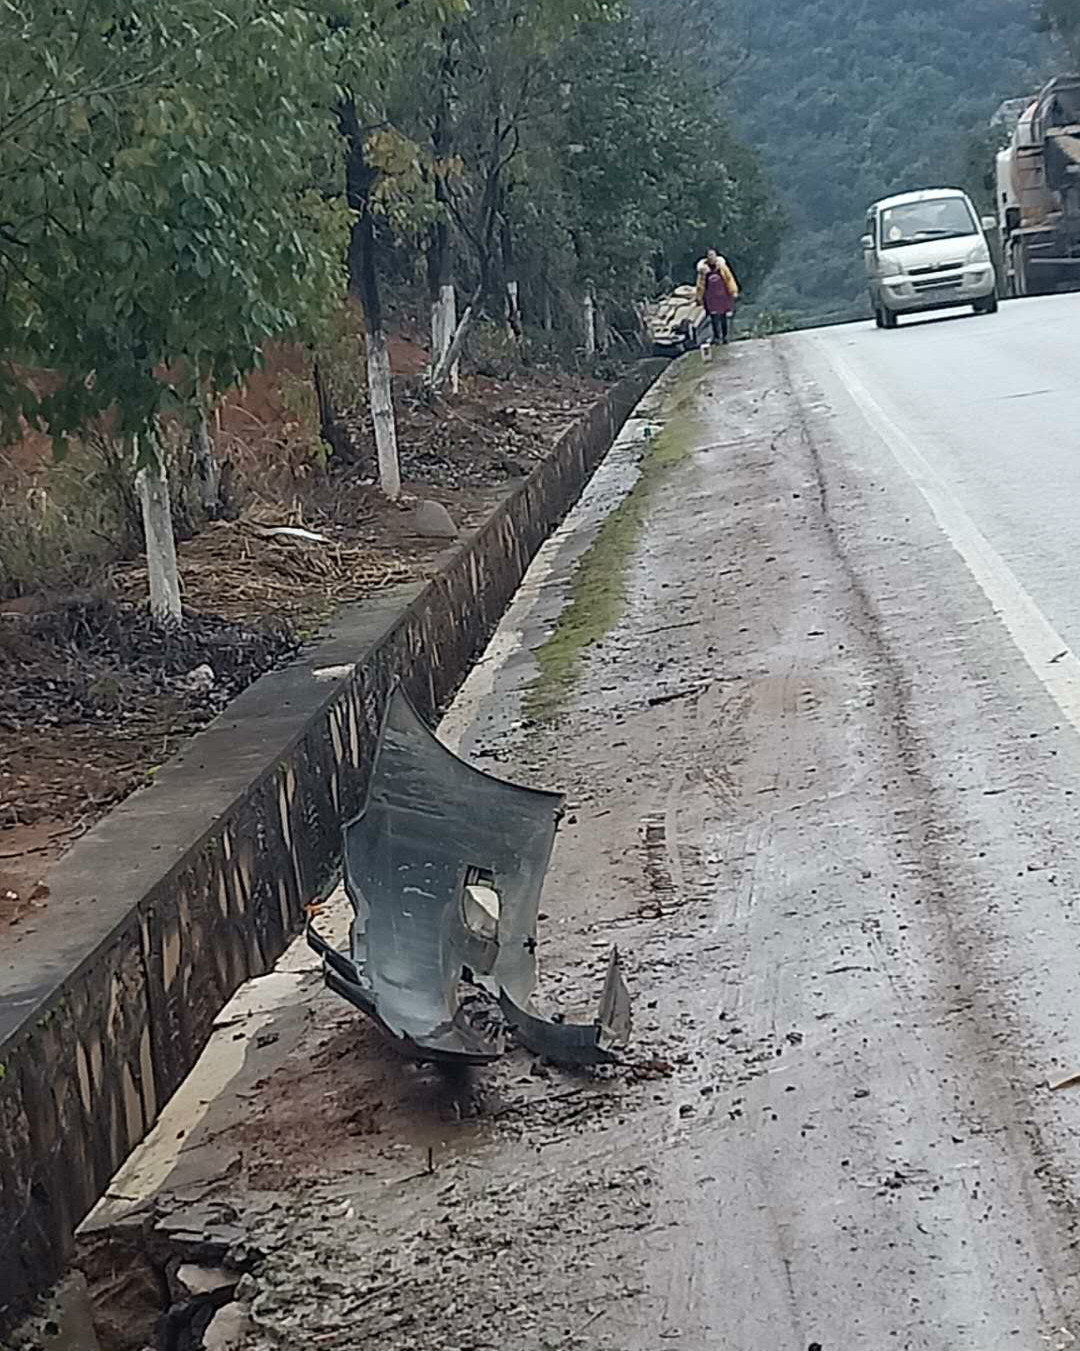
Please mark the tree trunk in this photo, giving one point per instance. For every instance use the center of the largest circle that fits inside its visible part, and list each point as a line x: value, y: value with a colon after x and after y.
x: 510, y: 278
x: 641, y: 314
x: 601, y: 325
x: 484, y: 241
x: 443, y: 299
x: 450, y: 358
x: 513, y: 307
x: 207, y: 469
x: 589, y: 316
x: 380, y: 389
x: 443, y: 328
x: 549, y: 315
x: 360, y: 180
x: 322, y: 403
x: 152, y: 486
x: 440, y: 252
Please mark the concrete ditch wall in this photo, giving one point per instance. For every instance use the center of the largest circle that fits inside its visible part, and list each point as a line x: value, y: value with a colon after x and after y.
x: 198, y: 882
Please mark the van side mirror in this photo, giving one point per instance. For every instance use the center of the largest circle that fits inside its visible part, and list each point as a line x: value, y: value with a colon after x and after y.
x: 989, y: 223
x: 867, y: 243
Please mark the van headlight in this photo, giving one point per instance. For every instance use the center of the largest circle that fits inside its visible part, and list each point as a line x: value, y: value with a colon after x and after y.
x: 978, y: 254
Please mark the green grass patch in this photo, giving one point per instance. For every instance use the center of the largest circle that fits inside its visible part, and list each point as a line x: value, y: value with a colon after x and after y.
x: 598, y: 590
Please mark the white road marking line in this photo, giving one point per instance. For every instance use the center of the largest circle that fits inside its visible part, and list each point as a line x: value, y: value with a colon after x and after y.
x: 1040, y: 644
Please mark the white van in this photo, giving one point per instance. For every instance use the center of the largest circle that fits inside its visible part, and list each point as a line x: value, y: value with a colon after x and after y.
x: 927, y: 251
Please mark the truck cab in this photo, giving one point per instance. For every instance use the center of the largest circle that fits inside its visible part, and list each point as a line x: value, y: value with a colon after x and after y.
x: 1038, y: 193
x: 927, y: 251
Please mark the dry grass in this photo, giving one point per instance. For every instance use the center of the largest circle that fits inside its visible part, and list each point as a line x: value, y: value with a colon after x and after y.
x: 236, y: 570
x: 60, y: 522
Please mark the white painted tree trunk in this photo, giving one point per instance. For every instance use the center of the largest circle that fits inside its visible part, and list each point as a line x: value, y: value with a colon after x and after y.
x: 513, y: 307
x: 152, y: 487
x: 449, y: 359
x: 589, y: 314
x: 207, y: 469
x: 380, y: 390
x: 443, y: 327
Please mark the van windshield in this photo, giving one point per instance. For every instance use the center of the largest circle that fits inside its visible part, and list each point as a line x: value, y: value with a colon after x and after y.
x: 937, y: 218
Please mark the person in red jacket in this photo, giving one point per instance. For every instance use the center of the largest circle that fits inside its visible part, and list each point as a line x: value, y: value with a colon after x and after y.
x: 717, y: 291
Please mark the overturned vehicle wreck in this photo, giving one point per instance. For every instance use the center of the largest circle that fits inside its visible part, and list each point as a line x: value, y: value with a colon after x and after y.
x: 444, y: 867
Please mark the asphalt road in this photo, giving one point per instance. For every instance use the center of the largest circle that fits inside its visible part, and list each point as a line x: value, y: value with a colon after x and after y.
x: 992, y: 402
x: 811, y: 693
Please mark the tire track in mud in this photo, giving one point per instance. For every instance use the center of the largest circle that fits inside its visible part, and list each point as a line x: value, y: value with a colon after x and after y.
x: 921, y: 872
x: 964, y: 982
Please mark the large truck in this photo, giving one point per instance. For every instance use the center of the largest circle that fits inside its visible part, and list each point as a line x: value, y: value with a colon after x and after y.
x: 1038, y: 192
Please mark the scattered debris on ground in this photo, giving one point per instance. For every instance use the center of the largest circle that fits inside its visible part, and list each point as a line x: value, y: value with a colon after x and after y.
x: 425, y: 1284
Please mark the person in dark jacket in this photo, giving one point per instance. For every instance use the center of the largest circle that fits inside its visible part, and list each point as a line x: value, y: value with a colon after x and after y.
x: 717, y: 291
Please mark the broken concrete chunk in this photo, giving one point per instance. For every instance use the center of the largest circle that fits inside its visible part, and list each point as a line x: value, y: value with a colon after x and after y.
x: 66, y: 1322
x: 198, y: 1280
x: 228, y: 1328
x: 433, y: 520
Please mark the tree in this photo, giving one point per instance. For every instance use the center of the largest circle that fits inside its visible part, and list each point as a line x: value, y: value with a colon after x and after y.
x: 373, y: 44
x: 496, y: 77
x: 1063, y: 18
x: 639, y: 178
x: 156, y: 226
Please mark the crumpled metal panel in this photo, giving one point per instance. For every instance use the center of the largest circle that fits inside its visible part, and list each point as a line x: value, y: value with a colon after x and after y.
x: 578, y: 1043
x: 432, y: 827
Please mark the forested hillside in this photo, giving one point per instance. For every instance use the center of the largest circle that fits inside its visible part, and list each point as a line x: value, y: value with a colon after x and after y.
x: 848, y: 100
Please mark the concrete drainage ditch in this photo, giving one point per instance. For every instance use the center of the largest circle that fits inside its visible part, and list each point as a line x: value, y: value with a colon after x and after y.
x: 197, y: 884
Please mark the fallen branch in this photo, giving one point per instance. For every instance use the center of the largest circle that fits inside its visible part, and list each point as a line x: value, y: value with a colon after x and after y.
x: 689, y: 693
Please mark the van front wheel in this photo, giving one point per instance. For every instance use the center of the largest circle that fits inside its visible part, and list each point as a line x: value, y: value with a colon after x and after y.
x: 987, y: 306
x: 888, y: 318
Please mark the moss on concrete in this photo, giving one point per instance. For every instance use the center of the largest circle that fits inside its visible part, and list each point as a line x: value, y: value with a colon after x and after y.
x: 598, y: 591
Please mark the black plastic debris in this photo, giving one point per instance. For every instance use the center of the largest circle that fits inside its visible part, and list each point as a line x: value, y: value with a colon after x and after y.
x: 444, y: 868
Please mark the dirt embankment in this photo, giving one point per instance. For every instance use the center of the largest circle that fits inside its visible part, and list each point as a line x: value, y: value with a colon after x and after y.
x: 93, y: 698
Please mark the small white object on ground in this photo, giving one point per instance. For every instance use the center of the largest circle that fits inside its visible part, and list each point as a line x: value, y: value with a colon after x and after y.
x: 199, y: 1280
x: 334, y: 672
x: 201, y: 680
x: 293, y: 532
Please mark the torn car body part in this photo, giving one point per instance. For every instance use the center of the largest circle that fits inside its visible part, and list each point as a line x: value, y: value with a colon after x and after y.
x: 592, y: 1043
x: 444, y: 867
